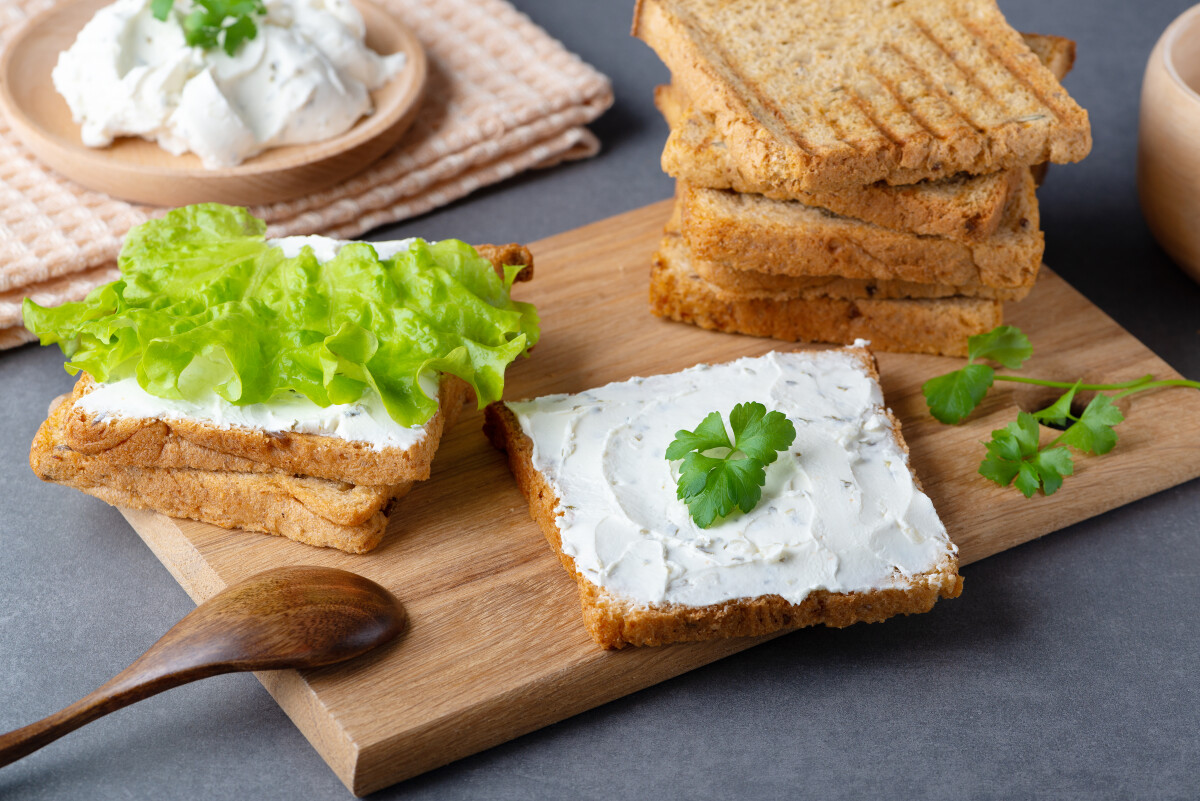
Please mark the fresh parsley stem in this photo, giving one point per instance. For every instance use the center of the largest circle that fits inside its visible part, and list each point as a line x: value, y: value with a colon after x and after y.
x: 1168, y: 382
x: 1136, y: 384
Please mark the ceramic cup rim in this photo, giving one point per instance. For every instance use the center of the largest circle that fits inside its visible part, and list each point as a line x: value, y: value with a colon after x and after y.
x: 1170, y: 39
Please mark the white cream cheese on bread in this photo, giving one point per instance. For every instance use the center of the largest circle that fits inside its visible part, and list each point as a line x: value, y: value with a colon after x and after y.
x: 840, y: 510
x: 366, y: 420
x: 326, y: 248
x: 363, y: 421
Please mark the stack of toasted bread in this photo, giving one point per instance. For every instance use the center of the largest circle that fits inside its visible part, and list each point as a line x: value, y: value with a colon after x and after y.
x: 854, y: 168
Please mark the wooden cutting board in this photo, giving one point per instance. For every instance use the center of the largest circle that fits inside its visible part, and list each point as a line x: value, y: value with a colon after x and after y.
x: 496, y: 646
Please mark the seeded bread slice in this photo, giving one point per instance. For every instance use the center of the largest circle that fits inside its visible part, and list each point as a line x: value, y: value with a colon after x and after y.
x: 964, y: 208
x: 826, y: 94
x: 938, y: 326
x: 614, y: 621
x: 138, y: 442
x: 309, y: 510
x: 789, y: 238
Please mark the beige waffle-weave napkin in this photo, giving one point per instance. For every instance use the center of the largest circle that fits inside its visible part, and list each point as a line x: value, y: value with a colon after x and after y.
x: 502, y: 97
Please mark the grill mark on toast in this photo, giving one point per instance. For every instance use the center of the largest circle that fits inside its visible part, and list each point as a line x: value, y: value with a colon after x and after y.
x: 969, y: 74
x: 795, y: 134
x: 750, y: 91
x: 719, y: 58
x: 869, y: 112
x: 965, y: 85
x: 960, y: 68
x: 929, y: 81
x: 1007, y: 64
x: 908, y: 109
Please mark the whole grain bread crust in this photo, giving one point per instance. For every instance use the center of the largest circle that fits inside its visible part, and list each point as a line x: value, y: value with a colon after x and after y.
x: 936, y: 325
x: 747, y: 283
x: 312, y: 511
x: 826, y: 94
x: 614, y: 621
x: 790, y: 238
x: 755, y: 284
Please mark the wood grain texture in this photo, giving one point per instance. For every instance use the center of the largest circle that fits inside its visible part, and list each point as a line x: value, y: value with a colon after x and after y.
x: 496, y: 646
x: 140, y: 171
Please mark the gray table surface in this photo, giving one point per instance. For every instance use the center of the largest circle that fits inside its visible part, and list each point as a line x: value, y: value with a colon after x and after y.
x: 1070, y: 666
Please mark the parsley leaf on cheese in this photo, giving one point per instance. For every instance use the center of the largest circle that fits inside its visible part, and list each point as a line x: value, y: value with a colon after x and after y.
x: 714, y: 484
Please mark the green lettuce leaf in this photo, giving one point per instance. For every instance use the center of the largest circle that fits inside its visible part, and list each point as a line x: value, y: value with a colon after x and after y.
x: 205, y: 304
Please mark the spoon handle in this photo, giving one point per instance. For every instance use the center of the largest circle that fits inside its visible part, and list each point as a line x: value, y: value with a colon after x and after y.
x: 159, y: 669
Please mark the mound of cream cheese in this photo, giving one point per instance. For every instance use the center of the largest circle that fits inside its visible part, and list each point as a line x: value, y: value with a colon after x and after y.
x: 305, y: 77
x: 840, y: 510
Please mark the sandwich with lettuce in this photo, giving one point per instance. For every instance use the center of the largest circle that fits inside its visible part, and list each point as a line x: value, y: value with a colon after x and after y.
x: 295, y: 386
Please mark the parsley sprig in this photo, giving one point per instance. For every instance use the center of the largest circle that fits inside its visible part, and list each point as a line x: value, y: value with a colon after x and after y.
x: 212, y: 22
x: 718, y: 475
x: 1014, y: 453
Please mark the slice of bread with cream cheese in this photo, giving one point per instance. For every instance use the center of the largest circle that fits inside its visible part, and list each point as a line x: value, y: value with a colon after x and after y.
x: 843, y: 532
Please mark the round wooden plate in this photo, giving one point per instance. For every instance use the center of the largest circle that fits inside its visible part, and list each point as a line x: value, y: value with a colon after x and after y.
x: 140, y: 171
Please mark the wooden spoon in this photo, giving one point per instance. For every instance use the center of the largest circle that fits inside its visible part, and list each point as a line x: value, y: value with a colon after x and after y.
x: 289, y: 617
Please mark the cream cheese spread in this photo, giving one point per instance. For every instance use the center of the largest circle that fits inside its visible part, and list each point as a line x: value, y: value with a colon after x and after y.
x: 363, y: 421
x: 840, y: 510
x: 326, y: 248
x: 305, y: 77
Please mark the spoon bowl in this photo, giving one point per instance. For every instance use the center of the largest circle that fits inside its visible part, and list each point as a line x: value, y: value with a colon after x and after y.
x: 293, y: 617
x: 289, y: 617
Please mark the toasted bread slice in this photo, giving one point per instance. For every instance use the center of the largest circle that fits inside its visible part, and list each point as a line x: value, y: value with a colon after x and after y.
x: 614, y: 619
x: 735, y: 280
x: 939, y: 325
x: 1056, y: 52
x: 789, y: 238
x: 169, y: 443
x: 141, y: 442
x: 754, y: 284
x: 309, y: 510
x: 964, y: 208
x: 815, y: 95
